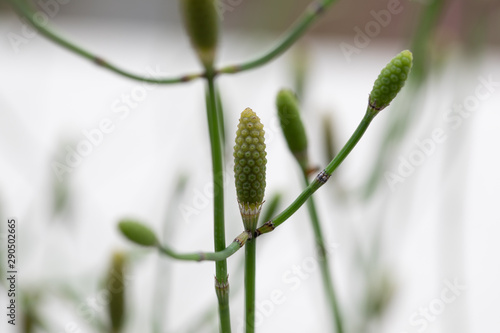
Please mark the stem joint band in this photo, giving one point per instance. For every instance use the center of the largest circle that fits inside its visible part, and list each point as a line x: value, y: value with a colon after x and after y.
x: 265, y: 228
x: 222, y: 287
x: 323, y: 177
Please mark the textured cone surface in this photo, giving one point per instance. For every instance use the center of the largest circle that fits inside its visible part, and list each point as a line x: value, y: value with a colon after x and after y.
x: 391, y: 80
x: 250, y: 159
x: 138, y: 233
x: 291, y: 123
x: 201, y: 21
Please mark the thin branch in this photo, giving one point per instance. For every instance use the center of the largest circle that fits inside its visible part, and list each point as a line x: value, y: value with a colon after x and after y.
x: 29, y: 13
x: 312, y: 13
x: 208, y: 256
x: 270, y: 225
x: 322, y: 177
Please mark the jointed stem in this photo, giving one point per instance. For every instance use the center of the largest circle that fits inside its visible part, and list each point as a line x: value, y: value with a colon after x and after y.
x: 270, y: 225
x: 323, y: 260
x: 208, y: 256
x: 26, y: 11
x: 221, y: 277
x: 321, y: 179
x: 295, y: 32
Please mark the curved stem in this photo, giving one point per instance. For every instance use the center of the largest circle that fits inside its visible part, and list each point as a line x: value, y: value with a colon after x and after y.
x: 208, y: 256
x: 225, y: 252
x: 250, y: 259
x: 321, y: 179
x: 323, y: 260
x: 26, y: 11
x: 311, y: 14
x: 295, y: 32
x: 221, y: 277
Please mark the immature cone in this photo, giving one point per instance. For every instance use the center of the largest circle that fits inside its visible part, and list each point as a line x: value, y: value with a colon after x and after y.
x: 138, y: 233
x: 292, y: 126
x: 391, y: 80
x: 250, y: 167
x: 201, y: 22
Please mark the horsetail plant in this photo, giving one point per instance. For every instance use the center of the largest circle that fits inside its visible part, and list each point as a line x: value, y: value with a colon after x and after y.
x: 252, y: 200
x: 252, y: 194
x: 201, y: 23
x: 250, y: 177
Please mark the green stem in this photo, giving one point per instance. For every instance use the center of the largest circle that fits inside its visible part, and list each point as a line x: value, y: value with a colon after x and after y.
x: 27, y: 12
x: 250, y: 258
x: 320, y: 180
x: 270, y: 225
x: 295, y: 32
x: 312, y: 12
x: 323, y: 260
x: 221, y: 277
x: 208, y: 256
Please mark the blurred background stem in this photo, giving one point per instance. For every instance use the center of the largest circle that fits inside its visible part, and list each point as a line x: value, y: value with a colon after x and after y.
x: 323, y: 260
x: 311, y: 14
x: 24, y: 9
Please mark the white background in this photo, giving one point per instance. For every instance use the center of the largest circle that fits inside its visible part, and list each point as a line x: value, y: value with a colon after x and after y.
x: 440, y: 224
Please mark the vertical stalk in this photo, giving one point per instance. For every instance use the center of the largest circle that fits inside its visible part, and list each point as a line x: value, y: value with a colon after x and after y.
x: 221, y: 277
x: 323, y: 260
x: 250, y: 258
